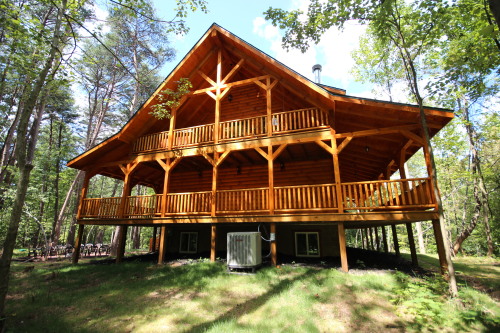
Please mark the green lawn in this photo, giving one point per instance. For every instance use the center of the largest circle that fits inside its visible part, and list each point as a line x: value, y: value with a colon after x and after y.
x: 202, y: 297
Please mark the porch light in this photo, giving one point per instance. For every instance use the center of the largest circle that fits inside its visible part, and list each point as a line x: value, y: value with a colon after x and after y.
x: 230, y: 97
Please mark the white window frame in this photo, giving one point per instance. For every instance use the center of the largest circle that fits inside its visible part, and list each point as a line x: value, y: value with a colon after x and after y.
x: 189, y: 233
x: 307, y: 233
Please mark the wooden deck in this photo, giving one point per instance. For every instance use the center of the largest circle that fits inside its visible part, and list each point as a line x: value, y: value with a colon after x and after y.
x: 357, y: 198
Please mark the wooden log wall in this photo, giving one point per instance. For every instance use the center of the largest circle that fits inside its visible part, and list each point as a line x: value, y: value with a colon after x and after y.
x: 255, y: 176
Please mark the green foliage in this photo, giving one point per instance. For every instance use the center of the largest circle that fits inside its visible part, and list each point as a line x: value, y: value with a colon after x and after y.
x: 170, y: 99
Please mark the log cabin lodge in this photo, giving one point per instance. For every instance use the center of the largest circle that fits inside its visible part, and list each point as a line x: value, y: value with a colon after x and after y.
x: 256, y: 144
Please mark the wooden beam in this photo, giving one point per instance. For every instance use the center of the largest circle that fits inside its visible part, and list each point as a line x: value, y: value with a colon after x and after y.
x: 260, y: 151
x: 163, y: 245
x: 344, y: 143
x: 377, y: 131
x: 443, y: 264
x: 215, y: 173
x: 384, y: 239
x: 274, y: 253
x: 370, y: 233
x: 278, y: 151
x: 213, y: 243
x: 325, y: 146
x: 270, y: 166
x: 411, y: 242
x: 233, y: 71
x: 395, y: 240
x: 269, y: 110
x: 412, y: 136
x: 208, y: 79
x: 122, y: 238
x: 377, y: 240
x: 223, y: 157
x: 336, y: 171
x: 232, y: 84
x: 342, y: 247
x: 78, y: 244
x: 83, y: 194
x: 153, y: 246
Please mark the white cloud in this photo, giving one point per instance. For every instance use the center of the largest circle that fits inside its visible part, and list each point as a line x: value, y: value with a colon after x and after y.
x: 333, y: 52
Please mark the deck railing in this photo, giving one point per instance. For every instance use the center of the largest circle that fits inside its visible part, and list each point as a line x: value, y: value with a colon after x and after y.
x: 242, y: 128
x: 305, y: 197
x: 298, y: 120
x: 406, y: 194
x: 189, y: 203
x: 143, y: 206
x: 282, y: 122
x: 101, y: 207
x: 384, y: 194
x: 247, y: 200
x: 193, y: 135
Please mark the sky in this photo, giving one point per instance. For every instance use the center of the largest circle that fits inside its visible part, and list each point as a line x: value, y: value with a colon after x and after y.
x: 245, y: 19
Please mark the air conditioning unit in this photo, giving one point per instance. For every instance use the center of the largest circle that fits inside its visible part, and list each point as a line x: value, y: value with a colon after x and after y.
x: 244, y: 250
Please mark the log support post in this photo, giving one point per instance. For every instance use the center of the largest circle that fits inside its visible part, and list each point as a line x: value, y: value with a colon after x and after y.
x: 343, y: 248
x: 274, y: 254
x: 384, y: 240
x: 153, y: 245
x: 395, y: 239
x: 78, y: 244
x: 411, y: 242
x: 122, y: 238
x: 370, y: 234
x: 213, y: 243
x: 443, y: 264
x: 163, y: 245
x: 377, y: 239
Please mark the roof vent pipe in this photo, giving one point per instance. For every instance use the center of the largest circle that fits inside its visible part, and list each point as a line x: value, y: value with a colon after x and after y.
x: 317, y: 73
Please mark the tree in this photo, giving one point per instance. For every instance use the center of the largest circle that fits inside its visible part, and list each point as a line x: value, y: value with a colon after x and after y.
x: 409, y: 29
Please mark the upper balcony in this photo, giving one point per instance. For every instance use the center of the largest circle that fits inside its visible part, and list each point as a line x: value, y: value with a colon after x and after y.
x: 233, y: 130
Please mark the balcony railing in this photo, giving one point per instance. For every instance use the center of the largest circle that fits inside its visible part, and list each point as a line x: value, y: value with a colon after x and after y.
x: 406, y: 194
x: 283, y: 122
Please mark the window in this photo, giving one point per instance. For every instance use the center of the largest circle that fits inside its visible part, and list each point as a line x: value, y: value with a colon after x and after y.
x: 307, y: 244
x: 189, y: 242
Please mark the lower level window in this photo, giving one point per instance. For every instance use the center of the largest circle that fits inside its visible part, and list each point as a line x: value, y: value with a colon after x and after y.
x: 307, y: 244
x: 189, y: 242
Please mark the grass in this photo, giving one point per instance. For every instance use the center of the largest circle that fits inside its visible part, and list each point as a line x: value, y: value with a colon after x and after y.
x: 202, y: 297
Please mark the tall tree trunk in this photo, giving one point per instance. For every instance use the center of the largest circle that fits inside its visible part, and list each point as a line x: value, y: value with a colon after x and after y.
x: 479, y: 189
x: 412, y: 77
x: 56, y: 229
x: 24, y: 153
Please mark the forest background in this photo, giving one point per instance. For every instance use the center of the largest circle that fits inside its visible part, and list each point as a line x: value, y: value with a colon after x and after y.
x: 48, y: 47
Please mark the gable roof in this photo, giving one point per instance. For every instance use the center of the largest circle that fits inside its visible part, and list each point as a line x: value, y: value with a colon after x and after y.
x: 201, y: 58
